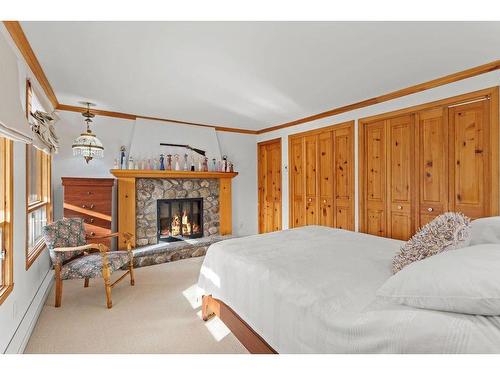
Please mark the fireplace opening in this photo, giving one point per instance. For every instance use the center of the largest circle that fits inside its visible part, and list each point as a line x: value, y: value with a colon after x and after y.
x: 179, y: 219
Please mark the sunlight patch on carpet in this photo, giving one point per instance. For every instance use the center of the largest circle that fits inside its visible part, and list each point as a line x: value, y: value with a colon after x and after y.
x: 216, y: 327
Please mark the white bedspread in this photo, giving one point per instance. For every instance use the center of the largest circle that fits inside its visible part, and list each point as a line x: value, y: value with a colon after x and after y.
x: 312, y: 290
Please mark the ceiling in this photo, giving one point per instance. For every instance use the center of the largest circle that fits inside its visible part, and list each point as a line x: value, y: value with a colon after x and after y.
x: 249, y: 75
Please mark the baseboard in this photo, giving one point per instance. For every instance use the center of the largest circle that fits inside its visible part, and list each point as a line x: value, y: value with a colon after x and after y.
x: 25, y: 328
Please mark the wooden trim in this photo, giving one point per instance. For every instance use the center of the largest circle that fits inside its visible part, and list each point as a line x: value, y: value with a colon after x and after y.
x: 128, y: 116
x: 151, y: 173
x: 250, y: 339
x: 8, y: 190
x: 45, y: 193
x: 491, y: 93
x: 16, y: 32
x: 259, y: 183
x: 454, y: 77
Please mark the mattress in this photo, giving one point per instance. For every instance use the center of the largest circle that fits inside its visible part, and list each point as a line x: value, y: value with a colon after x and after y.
x: 312, y: 290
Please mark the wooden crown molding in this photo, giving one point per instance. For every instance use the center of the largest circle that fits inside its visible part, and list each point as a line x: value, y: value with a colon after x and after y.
x: 458, y: 76
x: 17, y: 34
x: 128, y: 116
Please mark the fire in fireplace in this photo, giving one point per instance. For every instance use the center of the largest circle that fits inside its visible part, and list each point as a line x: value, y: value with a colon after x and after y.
x: 179, y: 219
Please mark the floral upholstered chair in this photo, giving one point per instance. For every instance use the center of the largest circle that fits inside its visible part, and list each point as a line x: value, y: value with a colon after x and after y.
x: 73, y: 258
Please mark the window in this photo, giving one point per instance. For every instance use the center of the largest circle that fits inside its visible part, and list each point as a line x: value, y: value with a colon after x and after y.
x: 6, y: 205
x: 38, y: 191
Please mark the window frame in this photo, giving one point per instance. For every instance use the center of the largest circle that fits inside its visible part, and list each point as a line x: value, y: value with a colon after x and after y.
x: 44, y: 189
x: 7, y: 201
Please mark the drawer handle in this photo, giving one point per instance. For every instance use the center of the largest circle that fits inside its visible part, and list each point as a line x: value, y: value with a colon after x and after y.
x: 89, y: 192
x: 324, y: 200
x: 430, y: 209
x: 400, y: 207
x: 92, y: 234
x: 85, y: 206
x: 310, y: 200
x: 89, y: 220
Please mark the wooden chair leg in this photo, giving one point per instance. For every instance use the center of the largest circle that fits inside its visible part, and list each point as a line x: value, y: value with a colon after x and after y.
x: 58, y: 285
x: 106, y: 274
x: 86, y: 282
x: 132, y: 277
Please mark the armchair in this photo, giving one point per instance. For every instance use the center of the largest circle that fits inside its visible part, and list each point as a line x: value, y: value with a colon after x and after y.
x: 73, y: 258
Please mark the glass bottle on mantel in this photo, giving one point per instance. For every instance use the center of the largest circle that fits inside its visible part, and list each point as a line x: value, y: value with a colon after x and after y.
x: 130, y: 162
x: 162, y: 162
x: 214, y: 165
x: 177, y: 165
x: 186, y: 162
x: 205, y: 164
x: 169, y: 162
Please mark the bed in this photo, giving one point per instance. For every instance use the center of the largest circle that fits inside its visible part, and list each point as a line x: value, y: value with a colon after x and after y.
x: 312, y: 290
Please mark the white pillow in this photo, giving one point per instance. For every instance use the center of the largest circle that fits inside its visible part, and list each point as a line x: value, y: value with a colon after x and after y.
x: 485, y: 230
x: 464, y: 281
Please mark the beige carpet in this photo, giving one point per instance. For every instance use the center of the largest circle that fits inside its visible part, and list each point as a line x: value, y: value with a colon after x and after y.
x: 157, y: 315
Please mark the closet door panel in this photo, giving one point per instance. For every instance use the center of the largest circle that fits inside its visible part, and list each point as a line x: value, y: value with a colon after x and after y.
x: 470, y: 125
x: 344, y: 179
x: 326, y: 179
x: 311, y: 183
x: 400, y: 168
x: 432, y: 164
x: 375, y: 178
x: 297, y: 182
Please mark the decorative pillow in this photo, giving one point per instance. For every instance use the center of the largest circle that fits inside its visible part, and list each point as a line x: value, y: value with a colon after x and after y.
x: 67, y: 232
x: 448, y: 231
x: 485, y: 230
x: 463, y: 281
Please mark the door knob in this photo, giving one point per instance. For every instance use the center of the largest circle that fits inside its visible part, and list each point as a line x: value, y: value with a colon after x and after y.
x: 430, y: 209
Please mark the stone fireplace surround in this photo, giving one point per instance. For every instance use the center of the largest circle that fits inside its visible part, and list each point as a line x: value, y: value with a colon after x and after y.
x: 149, y: 190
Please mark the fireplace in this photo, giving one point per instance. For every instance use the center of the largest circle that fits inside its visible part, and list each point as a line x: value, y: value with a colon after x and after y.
x: 179, y: 219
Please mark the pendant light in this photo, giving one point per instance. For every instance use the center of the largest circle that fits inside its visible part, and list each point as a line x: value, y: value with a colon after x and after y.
x: 87, y: 144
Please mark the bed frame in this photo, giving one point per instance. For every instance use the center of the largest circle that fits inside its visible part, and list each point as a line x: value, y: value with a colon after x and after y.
x: 243, y: 332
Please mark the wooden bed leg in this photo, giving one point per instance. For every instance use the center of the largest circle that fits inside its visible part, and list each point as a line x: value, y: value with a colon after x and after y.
x: 206, y: 314
x: 86, y: 283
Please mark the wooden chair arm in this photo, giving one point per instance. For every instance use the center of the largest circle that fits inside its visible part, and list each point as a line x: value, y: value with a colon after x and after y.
x: 104, y: 236
x: 78, y: 248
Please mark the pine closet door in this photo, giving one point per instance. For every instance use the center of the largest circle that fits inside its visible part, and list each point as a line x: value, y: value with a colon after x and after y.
x: 374, y: 175
x: 322, y: 177
x: 343, y: 184
x: 311, y: 182
x: 269, y: 184
x: 326, y: 179
x: 297, y: 182
x: 470, y: 167
x: 432, y: 164
x: 400, y: 176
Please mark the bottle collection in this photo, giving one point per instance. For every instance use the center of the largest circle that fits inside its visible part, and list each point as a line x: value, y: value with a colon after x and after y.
x: 176, y: 162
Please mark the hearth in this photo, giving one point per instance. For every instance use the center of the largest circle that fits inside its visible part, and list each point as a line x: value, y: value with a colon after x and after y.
x: 179, y: 219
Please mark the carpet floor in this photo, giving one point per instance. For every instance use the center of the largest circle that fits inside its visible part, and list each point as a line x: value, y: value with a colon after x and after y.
x: 160, y: 314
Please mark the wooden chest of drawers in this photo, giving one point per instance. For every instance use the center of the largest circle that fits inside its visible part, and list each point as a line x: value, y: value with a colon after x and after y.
x: 90, y: 199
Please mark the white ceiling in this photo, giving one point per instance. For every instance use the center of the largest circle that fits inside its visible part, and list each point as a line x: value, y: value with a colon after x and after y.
x: 249, y: 74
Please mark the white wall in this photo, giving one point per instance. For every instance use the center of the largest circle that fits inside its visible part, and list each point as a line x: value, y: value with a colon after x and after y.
x: 19, y: 311
x: 114, y: 132
x: 241, y: 149
x: 461, y: 87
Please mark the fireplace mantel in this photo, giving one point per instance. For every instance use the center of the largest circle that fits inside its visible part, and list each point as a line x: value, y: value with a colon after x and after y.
x: 127, y: 195
x: 135, y: 173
